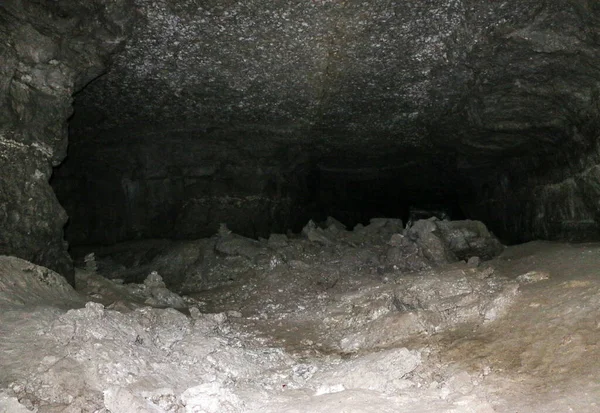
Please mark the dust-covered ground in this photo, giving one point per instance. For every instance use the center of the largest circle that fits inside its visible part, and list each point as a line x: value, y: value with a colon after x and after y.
x: 439, y: 317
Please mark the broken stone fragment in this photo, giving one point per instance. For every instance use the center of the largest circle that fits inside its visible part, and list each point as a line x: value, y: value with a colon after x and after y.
x: 331, y: 222
x: 211, y: 398
x: 164, y: 297
x: 90, y: 262
x: 454, y: 296
x: 22, y: 283
x: 10, y: 404
x: 396, y: 240
x: 445, y: 242
x: 533, y: 277
x: 405, y: 255
x: 160, y: 295
x: 473, y: 262
x: 122, y: 400
x: 392, y: 224
x: 381, y: 371
x: 315, y: 234
x: 154, y: 280
x: 232, y: 244
x: 223, y: 230
x: 277, y: 241
x: 433, y: 247
x: 469, y: 238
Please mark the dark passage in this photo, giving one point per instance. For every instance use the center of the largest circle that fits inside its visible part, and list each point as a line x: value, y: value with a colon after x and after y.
x: 351, y: 111
x: 186, y: 187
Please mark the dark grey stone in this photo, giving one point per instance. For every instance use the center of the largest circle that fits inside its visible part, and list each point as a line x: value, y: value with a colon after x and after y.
x: 433, y: 245
x: 469, y: 238
x: 49, y: 50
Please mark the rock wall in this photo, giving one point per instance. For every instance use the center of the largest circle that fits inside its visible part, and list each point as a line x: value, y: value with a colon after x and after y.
x: 180, y: 183
x: 49, y: 50
x: 437, y: 99
x: 494, y: 102
x: 555, y: 202
x: 530, y: 125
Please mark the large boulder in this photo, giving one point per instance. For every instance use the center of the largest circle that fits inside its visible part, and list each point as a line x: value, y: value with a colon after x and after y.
x: 435, y: 248
x: 23, y: 283
x: 429, y: 243
x: 468, y: 239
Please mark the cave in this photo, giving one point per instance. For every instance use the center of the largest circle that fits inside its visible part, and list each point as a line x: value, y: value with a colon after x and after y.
x: 212, y: 114
x: 183, y: 137
x: 184, y: 116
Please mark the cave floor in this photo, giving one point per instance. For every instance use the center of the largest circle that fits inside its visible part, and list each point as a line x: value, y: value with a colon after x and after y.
x: 319, y: 344
x: 543, y: 355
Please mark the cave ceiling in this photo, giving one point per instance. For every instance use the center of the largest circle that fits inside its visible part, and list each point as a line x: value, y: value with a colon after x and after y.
x: 457, y: 84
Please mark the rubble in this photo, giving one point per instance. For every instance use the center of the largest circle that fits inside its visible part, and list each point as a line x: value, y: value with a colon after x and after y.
x: 469, y: 238
x: 358, y: 293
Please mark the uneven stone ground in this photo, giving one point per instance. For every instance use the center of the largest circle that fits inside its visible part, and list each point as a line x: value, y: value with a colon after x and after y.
x: 326, y: 321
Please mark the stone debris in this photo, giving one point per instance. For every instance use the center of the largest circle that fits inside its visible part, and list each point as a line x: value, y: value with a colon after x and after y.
x: 361, y: 292
x: 469, y: 238
x: 418, y: 214
x: 385, y: 371
x: 211, y: 398
x: 153, y: 291
x: 533, y: 277
x: 433, y: 247
x: 278, y: 241
x: 10, y: 404
x: 316, y: 234
x: 449, y: 241
x: 331, y: 222
x: 382, y: 247
x: 159, y: 294
x: 231, y: 244
x: 90, y: 262
x: 473, y: 262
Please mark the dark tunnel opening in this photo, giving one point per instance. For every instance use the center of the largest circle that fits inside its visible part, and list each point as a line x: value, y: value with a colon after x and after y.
x: 183, y: 183
x: 354, y: 196
x: 107, y: 205
x: 162, y: 148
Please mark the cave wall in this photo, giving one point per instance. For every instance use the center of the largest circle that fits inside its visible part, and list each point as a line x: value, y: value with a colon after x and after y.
x: 487, y: 103
x: 181, y: 183
x: 48, y: 51
x: 527, y: 132
x: 491, y: 102
x: 558, y: 200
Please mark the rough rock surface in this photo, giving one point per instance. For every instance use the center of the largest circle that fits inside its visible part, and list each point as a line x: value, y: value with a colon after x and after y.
x: 23, y: 283
x: 491, y: 103
x: 286, y: 338
x: 120, y: 354
x: 554, y: 202
x: 49, y: 50
x: 218, y: 111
